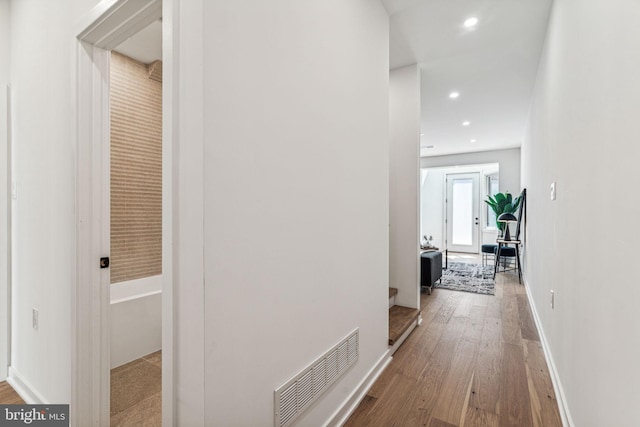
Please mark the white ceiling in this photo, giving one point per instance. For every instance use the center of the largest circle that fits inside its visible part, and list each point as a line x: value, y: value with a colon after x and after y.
x: 144, y: 46
x: 493, y: 66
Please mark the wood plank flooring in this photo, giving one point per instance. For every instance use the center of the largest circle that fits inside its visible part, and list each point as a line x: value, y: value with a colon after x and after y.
x: 476, y: 360
x: 400, y: 318
x: 8, y: 396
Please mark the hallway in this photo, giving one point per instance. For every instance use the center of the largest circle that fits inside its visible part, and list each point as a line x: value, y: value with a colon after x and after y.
x: 476, y: 360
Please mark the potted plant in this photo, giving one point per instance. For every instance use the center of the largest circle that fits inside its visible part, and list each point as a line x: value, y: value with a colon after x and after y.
x: 503, y: 203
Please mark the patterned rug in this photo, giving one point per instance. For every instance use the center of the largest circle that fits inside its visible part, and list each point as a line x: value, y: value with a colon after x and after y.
x: 467, y: 277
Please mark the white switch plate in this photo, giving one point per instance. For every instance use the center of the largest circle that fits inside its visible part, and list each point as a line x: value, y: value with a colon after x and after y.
x: 553, y: 191
x: 34, y: 318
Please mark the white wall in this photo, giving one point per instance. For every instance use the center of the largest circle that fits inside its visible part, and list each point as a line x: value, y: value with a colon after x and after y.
x: 508, y: 161
x: 404, y: 182
x: 432, y: 196
x: 295, y: 251
x: 185, y: 43
x: 4, y: 196
x: 42, y: 58
x: 583, y: 135
x: 432, y: 206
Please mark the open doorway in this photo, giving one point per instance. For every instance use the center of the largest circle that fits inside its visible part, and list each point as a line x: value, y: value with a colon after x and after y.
x: 109, y: 25
x: 462, y: 210
x: 440, y: 188
x: 135, y: 312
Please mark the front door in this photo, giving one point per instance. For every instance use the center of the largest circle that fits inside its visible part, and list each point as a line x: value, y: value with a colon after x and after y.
x: 462, y: 212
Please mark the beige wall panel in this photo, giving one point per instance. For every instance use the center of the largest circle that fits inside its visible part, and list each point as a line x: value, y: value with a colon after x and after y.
x: 136, y: 171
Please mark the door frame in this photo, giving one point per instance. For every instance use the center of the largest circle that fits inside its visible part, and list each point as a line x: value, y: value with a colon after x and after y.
x: 110, y: 23
x: 6, y: 230
x: 476, y: 202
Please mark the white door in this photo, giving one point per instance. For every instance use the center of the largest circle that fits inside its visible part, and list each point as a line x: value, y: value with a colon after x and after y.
x: 462, y: 212
x: 105, y: 28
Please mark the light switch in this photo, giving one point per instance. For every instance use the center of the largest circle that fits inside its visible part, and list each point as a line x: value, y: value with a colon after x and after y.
x: 553, y: 191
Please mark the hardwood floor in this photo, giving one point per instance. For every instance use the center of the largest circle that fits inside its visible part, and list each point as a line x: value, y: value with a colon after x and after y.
x: 476, y: 360
x: 400, y: 319
x: 8, y: 396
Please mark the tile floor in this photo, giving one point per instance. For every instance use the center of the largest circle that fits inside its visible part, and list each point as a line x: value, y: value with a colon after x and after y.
x: 136, y: 392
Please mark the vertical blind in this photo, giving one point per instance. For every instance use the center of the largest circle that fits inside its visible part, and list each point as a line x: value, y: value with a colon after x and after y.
x: 136, y: 170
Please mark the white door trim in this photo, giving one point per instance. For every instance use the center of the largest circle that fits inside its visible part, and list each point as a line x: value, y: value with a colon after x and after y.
x: 477, y: 229
x: 6, y: 231
x: 106, y: 26
x: 90, y: 345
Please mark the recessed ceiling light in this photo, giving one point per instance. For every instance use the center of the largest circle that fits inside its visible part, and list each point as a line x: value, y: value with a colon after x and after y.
x: 466, y: 123
x: 471, y: 22
x: 422, y: 134
x: 454, y: 95
x: 473, y: 141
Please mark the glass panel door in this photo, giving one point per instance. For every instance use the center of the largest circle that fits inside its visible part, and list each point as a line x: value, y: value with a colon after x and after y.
x: 462, y: 212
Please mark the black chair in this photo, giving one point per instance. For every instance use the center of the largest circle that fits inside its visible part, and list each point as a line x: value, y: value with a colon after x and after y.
x: 486, y: 251
x: 503, y: 249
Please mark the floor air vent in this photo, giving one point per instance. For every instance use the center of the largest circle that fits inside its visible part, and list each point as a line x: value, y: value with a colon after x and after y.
x: 297, y: 394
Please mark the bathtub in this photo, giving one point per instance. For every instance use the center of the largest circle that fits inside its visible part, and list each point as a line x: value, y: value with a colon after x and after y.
x: 136, y: 319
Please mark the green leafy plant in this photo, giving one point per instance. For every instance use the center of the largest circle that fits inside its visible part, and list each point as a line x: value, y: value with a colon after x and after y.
x: 503, y: 203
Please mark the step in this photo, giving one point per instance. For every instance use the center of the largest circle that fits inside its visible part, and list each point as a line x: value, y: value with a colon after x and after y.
x: 401, y: 319
x: 392, y: 296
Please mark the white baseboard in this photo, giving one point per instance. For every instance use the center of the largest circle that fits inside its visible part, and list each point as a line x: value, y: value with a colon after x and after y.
x: 25, y: 390
x: 565, y: 415
x: 345, y: 410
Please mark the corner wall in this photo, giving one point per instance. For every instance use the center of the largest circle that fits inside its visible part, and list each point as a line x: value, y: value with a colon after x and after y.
x: 582, y: 134
x: 294, y: 251
x: 404, y: 184
x: 43, y: 255
x: 5, y: 22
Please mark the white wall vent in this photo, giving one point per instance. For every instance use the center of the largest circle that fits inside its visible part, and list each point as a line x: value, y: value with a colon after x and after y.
x: 297, y: 394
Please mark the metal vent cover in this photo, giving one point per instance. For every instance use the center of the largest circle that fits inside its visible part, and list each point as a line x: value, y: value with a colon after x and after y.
x: 296, y: 395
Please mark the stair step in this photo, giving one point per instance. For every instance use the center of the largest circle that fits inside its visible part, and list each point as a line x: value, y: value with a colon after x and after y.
x: 393, y: 292
x: 400, y: 319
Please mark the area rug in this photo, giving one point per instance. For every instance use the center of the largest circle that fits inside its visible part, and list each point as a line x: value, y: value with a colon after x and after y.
x: 461, y: 276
